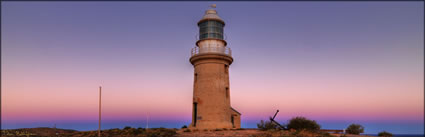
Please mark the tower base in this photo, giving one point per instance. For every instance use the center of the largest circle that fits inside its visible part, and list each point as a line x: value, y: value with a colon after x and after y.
x: 211, y: 125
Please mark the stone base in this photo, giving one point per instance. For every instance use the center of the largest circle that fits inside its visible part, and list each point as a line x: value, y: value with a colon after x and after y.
x: 200, y: 125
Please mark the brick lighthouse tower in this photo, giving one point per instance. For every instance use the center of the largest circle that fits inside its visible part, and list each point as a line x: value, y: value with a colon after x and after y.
x: 211, y: 59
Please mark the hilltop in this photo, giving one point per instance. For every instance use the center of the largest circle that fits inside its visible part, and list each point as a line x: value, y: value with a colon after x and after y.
x: 39, y: 131
x: 163, y: 132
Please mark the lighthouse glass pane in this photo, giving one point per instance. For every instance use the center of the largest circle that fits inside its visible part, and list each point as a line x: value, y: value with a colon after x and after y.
x: 211, y: 29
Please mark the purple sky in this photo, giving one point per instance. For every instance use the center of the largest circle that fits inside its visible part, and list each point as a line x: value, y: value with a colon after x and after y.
x: 334, y: 62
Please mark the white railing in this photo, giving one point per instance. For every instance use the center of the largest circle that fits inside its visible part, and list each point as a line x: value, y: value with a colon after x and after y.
x: 211, y: 49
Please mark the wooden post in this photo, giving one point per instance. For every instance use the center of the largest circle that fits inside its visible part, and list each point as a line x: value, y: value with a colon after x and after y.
x: 100, y: 105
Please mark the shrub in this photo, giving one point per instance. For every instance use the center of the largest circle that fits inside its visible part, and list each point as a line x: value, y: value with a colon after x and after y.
x: 127, y: 127
x: 385, y: 134
x: 160, y: 132
x: 299, y: 123
x: 140, y: 129
x: 268, y: 125
x: 186, y: 130
x: 355, y: 129
x: 132, y: 131
x: 184, y: 126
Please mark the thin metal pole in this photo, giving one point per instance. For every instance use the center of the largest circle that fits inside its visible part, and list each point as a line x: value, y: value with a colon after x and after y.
x: 100, y: 104
x: 147, y: 121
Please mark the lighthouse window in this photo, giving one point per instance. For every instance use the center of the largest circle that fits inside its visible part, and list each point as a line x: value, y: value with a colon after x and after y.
x: 226, y: 69
x: 196, y: 76
x: 211, y: 29
x: 211, y: 23
x: 227, y: 92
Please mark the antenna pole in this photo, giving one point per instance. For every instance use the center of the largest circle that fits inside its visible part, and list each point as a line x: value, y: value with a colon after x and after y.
x: 147, y: 121
x: 100, y: 104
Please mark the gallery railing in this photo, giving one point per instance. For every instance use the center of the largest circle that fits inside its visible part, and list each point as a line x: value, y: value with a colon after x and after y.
x: 211, y: 49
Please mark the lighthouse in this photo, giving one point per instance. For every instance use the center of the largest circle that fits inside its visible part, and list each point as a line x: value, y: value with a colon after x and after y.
x: 211, y: 58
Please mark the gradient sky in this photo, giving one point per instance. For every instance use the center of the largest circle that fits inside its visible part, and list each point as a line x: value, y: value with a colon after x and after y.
x: 334, y: 62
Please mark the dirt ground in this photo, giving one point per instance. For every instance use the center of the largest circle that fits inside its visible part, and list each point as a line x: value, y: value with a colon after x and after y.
x: 162, y: 132
x: 224, y: 133
x: 236, y: 133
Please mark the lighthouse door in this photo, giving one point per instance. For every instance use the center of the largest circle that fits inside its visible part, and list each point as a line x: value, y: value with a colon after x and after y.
x: 233, y: 121
x: 195, y: 113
